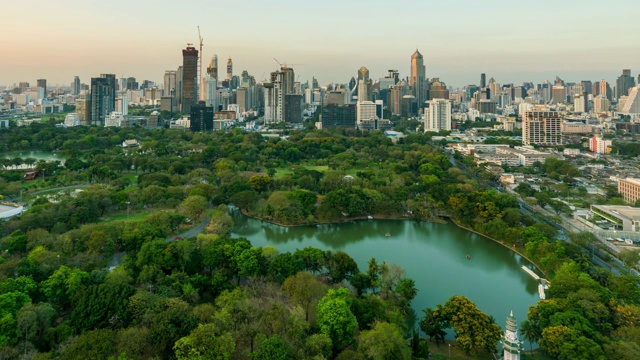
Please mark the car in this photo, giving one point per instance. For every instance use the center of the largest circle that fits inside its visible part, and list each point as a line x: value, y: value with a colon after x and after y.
x: 177, y: 238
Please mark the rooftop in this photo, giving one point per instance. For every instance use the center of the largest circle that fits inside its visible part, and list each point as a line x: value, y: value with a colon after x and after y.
x: 628, y: 212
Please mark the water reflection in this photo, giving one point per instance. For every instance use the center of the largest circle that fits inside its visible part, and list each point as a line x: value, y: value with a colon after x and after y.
x: 434, y: 255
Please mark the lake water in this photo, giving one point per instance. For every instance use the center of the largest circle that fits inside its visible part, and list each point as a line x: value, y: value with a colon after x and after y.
x: 434, y: 255
x: 38, y: 155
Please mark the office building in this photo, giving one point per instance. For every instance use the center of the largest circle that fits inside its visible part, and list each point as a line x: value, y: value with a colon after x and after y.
x: 365, y: 110
x: 42, y: 83
x: 631, y: 104
x: 558, y: 94
x: 395, y: 96
x: 75, y: 86
x: 438, y: 90
x: 364, y: 85
x: 629, y: 188
x: 293, y: 108
x: 275, y: 91
x: 487, y: 106
x: 83, y: 109
x: 437, y: 115
x: 418, y: 77
x: 483, y: 81
x: 624, y: 83
x: 602, y: 88
x: 201, y: 117
x: 581, y: 103
x: 587, y: 86
x: 170, y: 83
x: 103, y: 98
x: 601, y: 104
x: 542, y: 127
x: 189, y: 78
x: 229, y: 69
x: 334, y: 116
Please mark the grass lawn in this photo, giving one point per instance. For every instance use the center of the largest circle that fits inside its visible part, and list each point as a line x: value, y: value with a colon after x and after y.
x: 442, y: 352
x: 281, y: 172
x: 133, y: 216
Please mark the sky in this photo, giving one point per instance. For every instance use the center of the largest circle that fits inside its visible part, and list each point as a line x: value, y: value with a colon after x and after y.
x: 511, y: 41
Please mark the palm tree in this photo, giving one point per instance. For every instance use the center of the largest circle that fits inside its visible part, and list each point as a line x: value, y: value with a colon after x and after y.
x: 530, y: 331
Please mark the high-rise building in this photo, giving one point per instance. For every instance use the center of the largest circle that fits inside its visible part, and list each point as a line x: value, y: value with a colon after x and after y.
x: 293, y: 108
x: 75, y: 86
x: 601, y: 104
x: 334, y: 116
x: 483, y: 81
x: 364, y: 85
x: 396, y: 93
x: 229, y: 69
x: 581, y: 103
x: 542, y: 127
x: 437, y: 115
x: 599, y: 145
x: 558, y: 94
x: 438, y: 90
x: 281, y: 85
x: 365, y: 110
x: 587, y: 86
x: 178, y: 97
x: 603, y: 89
x: 189, y: 81
x: 42, y: 83
x: 632, y: 103
x: 132, y: 84
x: 83, y: 109
x: 624, y: 83
x: 103, y: 98
x: 169, y: 83
x: 201, y: 117
x: 418, y: 77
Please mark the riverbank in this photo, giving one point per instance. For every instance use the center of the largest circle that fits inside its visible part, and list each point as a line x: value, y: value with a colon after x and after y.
x: 387, y: 217
x: 514, y: 249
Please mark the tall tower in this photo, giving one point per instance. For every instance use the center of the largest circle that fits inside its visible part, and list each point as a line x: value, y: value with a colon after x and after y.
x: 364, y: 85
x: 103, y: 98
x: 510, y: 343
x: 214, y: 67
x: 229, y: 69
x: 417, y: 79
x: 189, y: 78
x: 624, y: 83
x: 75, y: 86
x: 483, y: 81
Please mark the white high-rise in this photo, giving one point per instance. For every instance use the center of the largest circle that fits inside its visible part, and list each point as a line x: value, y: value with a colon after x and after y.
x: 632, y: 103
x: 366, y: 110
x: 601, y: 104
x: 437, y: 115
x: 211, y: 92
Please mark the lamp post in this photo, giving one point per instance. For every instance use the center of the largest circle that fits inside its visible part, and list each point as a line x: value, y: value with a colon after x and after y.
x: 449, y: 351
x: 128, y: 202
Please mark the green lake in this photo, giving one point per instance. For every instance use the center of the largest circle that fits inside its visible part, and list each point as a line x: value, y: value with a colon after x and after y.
x: 434, y: 255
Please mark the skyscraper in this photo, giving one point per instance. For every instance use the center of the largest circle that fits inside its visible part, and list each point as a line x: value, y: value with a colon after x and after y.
x: 437, y: 115
x: 542, y: 127
x: 417, y: 79
x: 75, y: 86
x: 103, y: 98
x: 229, y: 69
x: 275, y: 92
x: 201, y: 117
x: 189, y: 81
x: 169, y: 83
x: 483, y: 81
x: 624, y: 83
x: 43, y: 84
x: 364, y: 85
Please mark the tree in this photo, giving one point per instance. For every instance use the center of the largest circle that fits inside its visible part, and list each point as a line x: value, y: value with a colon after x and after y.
x: 629, y: 257
x: 102, y: 306
x: 205, y: 342
x: 530, y: 332
x: 340, y: 265
x: 474, y: 329
x: 193, y: 206
x: 432, y: 326
x: 274, y: 348
x: 384, y: 341
x: 305, y: 291
x: 65, y: 285
x: 335, y: 318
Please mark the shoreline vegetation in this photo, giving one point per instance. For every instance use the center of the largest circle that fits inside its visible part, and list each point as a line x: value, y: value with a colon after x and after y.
x: 438, y: 220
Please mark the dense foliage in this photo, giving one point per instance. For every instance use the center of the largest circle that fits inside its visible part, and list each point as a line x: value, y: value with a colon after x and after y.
x: 214, y: 296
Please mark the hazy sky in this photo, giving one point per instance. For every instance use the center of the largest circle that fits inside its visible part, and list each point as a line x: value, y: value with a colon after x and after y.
x: 512, y: 41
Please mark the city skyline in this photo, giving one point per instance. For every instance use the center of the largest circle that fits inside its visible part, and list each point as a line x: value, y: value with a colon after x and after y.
x: 511, y: 43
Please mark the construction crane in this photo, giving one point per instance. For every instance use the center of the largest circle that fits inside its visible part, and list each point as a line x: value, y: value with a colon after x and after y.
x: 285, y: 65
x: 200, y: 82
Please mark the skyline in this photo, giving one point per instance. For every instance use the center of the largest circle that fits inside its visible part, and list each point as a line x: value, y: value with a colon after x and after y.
x: 575, y: 40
